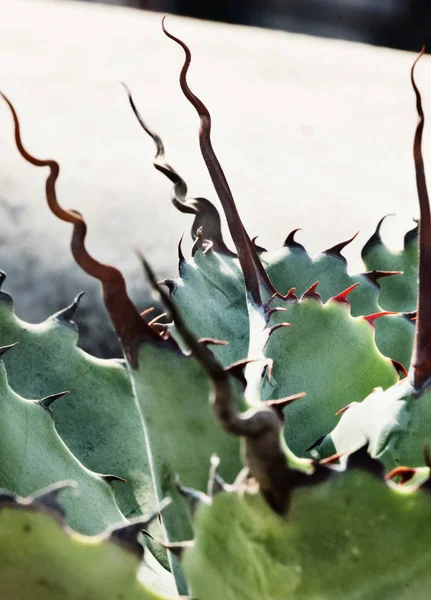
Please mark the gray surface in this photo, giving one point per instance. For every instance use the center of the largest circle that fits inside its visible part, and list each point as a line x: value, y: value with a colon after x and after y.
x: 312, y: 133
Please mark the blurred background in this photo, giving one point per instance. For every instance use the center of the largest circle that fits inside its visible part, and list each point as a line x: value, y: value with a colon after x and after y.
x: 392, y: 23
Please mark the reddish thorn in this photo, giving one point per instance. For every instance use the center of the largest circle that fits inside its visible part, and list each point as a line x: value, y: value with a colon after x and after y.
x: 332, y: 459
x: 278, y: 326
x: 279, y: 405
x: 212, y: 342
x: 342, y: 296
x: 311, y: 293
x: 147, y: 311
x: 291, y: 295
x: 290, y: 241
x: 399, y: 367
x: 343, y: 410
x: 336, y: 250
x: 371, y: 318
x: 153, y: 321
x: 405, y: 474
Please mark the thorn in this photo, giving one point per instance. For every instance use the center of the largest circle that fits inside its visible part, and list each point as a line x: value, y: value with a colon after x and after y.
x: 268, y: 367
x: 410, y: 316
x: 373, y: 276
x: 127, y: 534
x: 256, y: 246
x: 48, y: 400
x: 375, y: 239
x: 412, y: 235
x: 342, y: 296
x: 291, y: 295
x: 67, y: 314
x: 2, y: 278
x: 170, y: 284
x: 145, y: 312
x: 275, y: 327
x: 194, y: 498
x: 336, y: 250
x: 237, y: 368
x: 316, y: 444
x: 110, y: 478
x: 177, y: 548
x: 330, y: 460
x: 311, y: 293
x: 399, y: 368
x: 404, y: 473
x: 153, y: 321
x: 279, y: 405
x: 343, y: 410
x: 290, y: 241
x: 4, y: 349
x: 207, y: 341
x: 371, y: 318
x: 181, y: 259
x: 48, y: 497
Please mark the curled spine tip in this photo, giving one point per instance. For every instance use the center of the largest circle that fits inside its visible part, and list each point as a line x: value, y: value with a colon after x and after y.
x: 375, y: 239
x: 290, y: 241
x: 311, y: 293
x: 399, y: 367
x: 4, y: 349
x: 277, y: 326
x: 126, y: 319
x: 261, y: 428
x: 411, y: 236
x: 205, y: 212
x: 342, y: 296
x: 338, y: 248
x: 421, y: 356
x: 255, y: 276
x: 374, y: 276
x: 371, y: 318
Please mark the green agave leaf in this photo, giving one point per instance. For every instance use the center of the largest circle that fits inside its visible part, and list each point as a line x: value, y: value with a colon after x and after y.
x: 326, y: 353
x: 99, y: 420
x: 40, y: 559
x: 33, y: 455
x: 350, y: 536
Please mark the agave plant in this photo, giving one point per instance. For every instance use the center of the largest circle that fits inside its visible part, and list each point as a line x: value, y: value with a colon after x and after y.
x: 301, y: 483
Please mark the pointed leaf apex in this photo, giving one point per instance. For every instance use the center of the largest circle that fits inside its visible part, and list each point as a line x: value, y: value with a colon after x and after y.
x: 290, y: 241
x: 342, y: 296
x: 371, y: 318
x: 337, y: 249
x: 311, y: 293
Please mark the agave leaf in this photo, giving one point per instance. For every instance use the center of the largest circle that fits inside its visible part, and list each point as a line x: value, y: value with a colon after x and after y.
x: 40, y: 559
